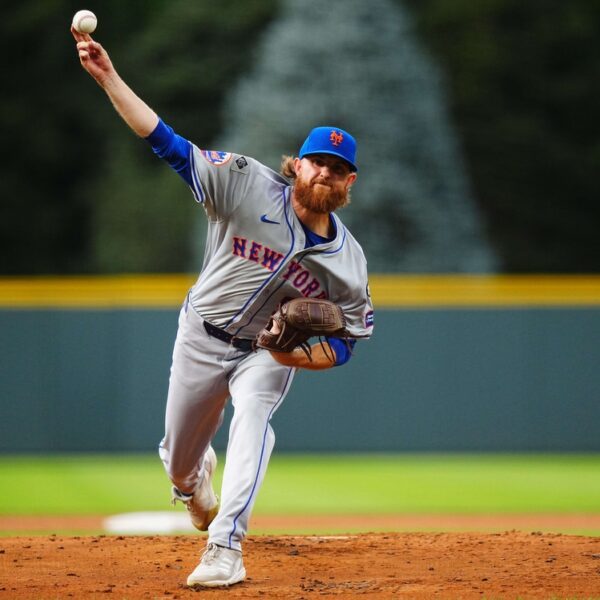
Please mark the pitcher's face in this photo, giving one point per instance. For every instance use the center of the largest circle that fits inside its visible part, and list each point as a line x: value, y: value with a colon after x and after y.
x: 322, y: 182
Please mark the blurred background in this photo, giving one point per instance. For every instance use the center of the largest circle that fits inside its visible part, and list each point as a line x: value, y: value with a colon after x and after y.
x: 477, y: 125
x: 476, y: 204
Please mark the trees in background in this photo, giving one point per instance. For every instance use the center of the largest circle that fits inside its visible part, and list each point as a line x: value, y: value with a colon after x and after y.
x: 81, y: 194
x: 360, y: 66
x: 524, y: 85
x: 182, y: 63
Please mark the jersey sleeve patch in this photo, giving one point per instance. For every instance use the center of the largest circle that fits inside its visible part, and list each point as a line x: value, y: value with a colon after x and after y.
x: 216, y: 157
x: 369, y: 319
x: 240, y: 165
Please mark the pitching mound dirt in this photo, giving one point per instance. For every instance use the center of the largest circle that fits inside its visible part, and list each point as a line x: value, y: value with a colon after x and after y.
x: 395, y: 565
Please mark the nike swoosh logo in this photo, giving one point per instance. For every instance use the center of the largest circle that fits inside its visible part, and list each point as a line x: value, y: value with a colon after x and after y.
x: 264, y: 219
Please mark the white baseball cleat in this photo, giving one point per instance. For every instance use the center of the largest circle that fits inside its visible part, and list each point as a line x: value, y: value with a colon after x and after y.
x: 203, y: 504
x: 218, y: 567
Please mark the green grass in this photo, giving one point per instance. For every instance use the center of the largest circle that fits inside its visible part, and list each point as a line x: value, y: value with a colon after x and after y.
x: 325, y: 484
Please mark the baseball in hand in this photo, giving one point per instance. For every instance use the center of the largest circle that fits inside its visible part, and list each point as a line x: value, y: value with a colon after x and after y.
x: 85, y: 21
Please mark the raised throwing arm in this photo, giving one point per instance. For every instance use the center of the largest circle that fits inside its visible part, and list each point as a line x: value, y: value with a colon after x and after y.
x: 133, y: 110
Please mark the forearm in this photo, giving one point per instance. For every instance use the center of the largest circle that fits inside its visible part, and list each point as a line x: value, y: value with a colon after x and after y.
x: 132, y: 109
x: 297, y: 358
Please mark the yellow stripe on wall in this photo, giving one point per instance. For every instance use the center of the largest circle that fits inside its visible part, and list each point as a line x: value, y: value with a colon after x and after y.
x: 101, y: 291
x: 388, y: 291
x: 485, y: 290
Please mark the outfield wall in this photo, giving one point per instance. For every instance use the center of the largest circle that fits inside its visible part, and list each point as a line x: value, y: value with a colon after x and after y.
x: 456, y: 363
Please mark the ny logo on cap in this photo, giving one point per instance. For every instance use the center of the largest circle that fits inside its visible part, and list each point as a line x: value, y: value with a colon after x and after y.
x: 336, y: 137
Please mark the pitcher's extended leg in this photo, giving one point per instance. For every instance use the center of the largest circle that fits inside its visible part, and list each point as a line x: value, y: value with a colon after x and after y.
x: 197, y: 394
x: 257, y: 388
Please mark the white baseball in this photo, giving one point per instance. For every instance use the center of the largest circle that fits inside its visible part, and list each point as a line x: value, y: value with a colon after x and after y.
x: 85, y: 21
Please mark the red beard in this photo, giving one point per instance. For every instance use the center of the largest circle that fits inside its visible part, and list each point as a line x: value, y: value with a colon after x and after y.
x: 319, y: 198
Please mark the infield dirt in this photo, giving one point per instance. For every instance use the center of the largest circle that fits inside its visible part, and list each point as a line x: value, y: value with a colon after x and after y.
x: 496, y: 566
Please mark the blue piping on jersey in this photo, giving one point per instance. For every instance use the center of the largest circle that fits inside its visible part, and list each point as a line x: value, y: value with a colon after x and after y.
x: 275, y: 273
x: 342, y: 353
x: 283, y: 282
x: 268, y: 298
x: 178, y: 152
x: 198, y: 193
x: 314, y: 239
x: 337, y: 249
x: 262, y: 452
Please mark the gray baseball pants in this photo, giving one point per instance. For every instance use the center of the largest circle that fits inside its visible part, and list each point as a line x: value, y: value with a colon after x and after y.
x: 206, y: 371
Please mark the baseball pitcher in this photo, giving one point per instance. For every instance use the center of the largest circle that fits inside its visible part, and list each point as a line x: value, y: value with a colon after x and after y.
x: 279, y: 269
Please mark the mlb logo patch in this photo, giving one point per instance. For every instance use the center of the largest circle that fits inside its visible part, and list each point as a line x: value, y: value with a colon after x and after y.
x: 216, y: 157
x: 369, y: 318
x: 240, y: 165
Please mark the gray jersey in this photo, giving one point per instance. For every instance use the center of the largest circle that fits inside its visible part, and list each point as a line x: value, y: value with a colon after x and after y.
x: 255, y: 254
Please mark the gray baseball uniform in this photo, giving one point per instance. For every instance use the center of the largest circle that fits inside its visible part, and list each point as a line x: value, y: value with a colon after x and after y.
x: 257, y: 255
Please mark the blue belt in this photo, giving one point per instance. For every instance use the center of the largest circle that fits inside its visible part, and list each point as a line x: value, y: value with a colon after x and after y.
x: 221, y: 334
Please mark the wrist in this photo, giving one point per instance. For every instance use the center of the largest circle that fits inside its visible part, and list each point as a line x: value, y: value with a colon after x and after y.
x: 109, y: 81
x: 298, y: 359
x: 289, y: 359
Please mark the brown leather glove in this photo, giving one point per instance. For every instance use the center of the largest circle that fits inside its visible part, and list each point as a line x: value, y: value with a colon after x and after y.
x: 294, y: 322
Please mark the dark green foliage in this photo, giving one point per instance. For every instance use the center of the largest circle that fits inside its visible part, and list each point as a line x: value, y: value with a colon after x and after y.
x: 181, y: 63
x: 524, y: 84
x: 81, y: 194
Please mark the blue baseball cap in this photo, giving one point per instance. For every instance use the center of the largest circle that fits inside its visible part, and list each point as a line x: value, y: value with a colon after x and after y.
x: 331, y: 140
